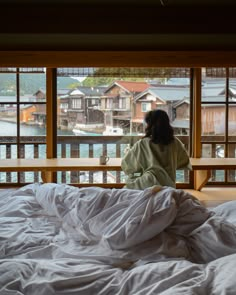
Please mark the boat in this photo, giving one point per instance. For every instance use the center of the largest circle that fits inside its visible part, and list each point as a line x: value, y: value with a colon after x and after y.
x: 113, y: 131
x: 77, y: 131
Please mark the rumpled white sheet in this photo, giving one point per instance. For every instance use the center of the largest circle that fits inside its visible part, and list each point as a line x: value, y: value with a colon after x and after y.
x: 120, y: 218
x: 58, y: 239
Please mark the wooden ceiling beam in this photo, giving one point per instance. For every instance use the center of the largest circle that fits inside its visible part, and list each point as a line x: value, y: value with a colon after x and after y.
x: 52, y: 59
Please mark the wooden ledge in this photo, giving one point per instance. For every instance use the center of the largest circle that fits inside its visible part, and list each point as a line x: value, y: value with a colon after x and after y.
x: 59, y: 164
x: 202, y: 168
x: 213, y: 163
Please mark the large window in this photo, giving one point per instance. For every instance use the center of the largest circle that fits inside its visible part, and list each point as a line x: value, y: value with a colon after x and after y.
x: 113, y: 103
x: 99, y: 111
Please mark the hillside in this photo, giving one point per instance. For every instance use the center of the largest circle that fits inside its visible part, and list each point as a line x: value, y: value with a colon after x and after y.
x: 30, y: 83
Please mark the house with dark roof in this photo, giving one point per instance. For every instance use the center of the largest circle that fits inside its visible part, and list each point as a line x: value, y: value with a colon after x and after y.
x: 80, y: 109
x: 160, y: 97
x: 40, y: 95
x: 117, y: 102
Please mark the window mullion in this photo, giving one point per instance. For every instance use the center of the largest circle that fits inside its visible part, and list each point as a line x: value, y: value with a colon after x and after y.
x: 18, y: 112
x: 227, y: 112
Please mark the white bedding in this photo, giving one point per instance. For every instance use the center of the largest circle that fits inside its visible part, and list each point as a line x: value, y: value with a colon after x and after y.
x: 59, y: 239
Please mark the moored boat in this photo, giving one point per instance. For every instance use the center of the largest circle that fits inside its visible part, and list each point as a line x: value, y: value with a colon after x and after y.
x: 113, y: 131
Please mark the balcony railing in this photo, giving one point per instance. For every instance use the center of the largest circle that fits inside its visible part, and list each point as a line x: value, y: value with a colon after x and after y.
x: 85, y: 146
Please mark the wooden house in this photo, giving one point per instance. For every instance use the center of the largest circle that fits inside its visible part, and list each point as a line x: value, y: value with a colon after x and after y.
x: 161, y: 97
x: 27, y: 114
x: 84, y: 109
x: 62, y: 108
x: 118, y: 100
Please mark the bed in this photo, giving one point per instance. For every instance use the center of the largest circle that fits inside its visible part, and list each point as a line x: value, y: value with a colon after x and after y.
x: 60, y: 239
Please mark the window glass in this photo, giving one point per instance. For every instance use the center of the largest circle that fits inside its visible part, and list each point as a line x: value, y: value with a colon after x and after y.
x: 213, y: 122
x: 146, y: 107
x: 22, y: 118
x: 232, y: 122
x: 213, y: 100
x: 32, y: 105
x: 218, y: 118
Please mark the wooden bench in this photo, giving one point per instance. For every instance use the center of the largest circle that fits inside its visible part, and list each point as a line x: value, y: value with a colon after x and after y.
x: 201, y: 166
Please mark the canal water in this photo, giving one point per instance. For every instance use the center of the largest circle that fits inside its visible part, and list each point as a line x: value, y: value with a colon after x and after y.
x: 9, y: 129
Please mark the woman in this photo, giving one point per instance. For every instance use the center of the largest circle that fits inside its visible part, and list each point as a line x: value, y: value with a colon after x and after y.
x: 154, y: 159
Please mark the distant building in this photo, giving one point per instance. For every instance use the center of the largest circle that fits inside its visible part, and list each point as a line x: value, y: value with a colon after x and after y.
x: 26, y: 114
x: 8, y: 108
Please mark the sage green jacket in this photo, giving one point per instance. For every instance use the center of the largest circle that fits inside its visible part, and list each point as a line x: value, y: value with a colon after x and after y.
x: 147, y: 164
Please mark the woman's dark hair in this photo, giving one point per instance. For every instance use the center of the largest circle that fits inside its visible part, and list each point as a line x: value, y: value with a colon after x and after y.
x: 158, y: 127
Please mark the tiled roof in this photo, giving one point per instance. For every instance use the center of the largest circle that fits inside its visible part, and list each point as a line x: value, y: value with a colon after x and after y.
x: 232, y: 91
x: 217, y: 98
x: 178, y: 81
x: 76, y: 92
x: 180, y: 102
x: 212, y: 90
x: 93, y: 91
x: 63, y: 91
x: 129, y: 86
x: 167, y: 93
x: 133, y: 86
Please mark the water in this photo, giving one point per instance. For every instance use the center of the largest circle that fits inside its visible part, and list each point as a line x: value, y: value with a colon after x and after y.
x: 9, y: 129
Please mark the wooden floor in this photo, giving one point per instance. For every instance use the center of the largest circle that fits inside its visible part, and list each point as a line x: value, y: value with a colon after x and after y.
x: 214, y: 196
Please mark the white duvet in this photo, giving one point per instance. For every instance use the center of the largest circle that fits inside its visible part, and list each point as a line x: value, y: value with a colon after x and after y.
x: 59, y: 239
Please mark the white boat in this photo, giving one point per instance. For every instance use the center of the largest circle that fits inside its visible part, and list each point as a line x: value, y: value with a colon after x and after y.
x: 113, y: 131
x: 78, y: 131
